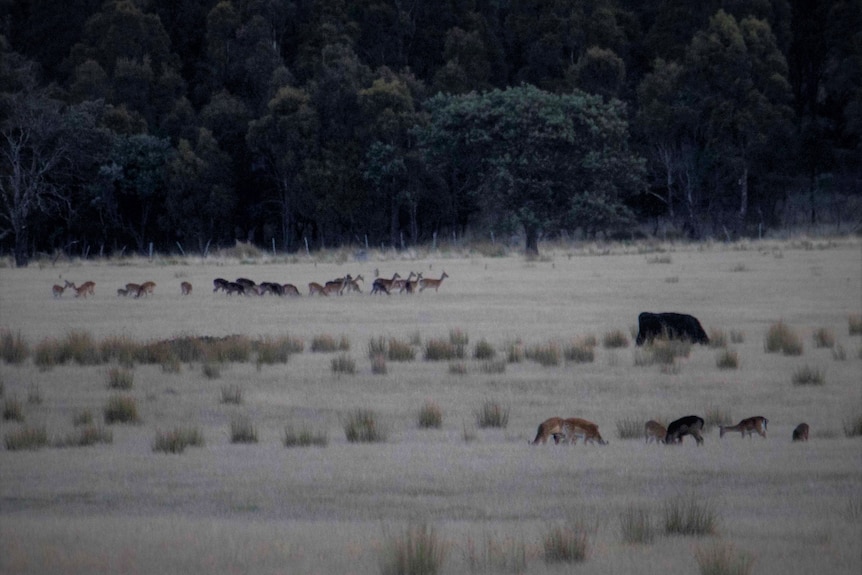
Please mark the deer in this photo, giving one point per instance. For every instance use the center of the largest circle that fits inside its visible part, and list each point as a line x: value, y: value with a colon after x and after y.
x: 654, y: 431
x: 410, y: 286
x: 186, y: 288
x: 220, y: 284
x: 688, y: 425
x: 384, y: 285
x: 291, y: 290
x: 432, y: 283
x: 748, y: 425
x: 316, y: 288
x: 58, y: 290
x: 83, y: 289
x: 801, y: 432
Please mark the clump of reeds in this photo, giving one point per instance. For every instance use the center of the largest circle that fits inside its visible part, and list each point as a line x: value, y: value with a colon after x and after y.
x: 689, y: 516
x: 83, y: 417
x: 615, y: 339
x: 416, y: 551
x: 360, y: 426
x: 430, y: 415
x: 378, y: 364
x: 304, y: 437
x: 493, y: 367
x: 723, y: 559
x: 326, y: 343
x: 457, y: 368
x: 727, y: 359
x: 12, y: 409
x: 84, y: 436
x: 343, y: 363
x: 177, y: 439
x: 13, y: 348
x: 630, y: 428
x: 853, y: 426
x: 484, y: 350
x: 515, y: 352
x: 26, y: 437
x: 580, y: 351
x: 120, y: 378
x: 231, y: 394
x: 854, y: 324
x: 824, y: 337
x: 121, y: 409
x: 662, y: 351
x: 547, y: 355
x: 492, y: 414
x: 119, y: 348
x: 232, y: 348
x: 565, y: 544
x: 272, y: 350
x: 242, y: 430
x: 458, y: 337
x: 80, y: 347
x: 400, y: 350
x: 492, y: 556
x: 807, y: 375
x: 781, y: 338
x: 440, y: 350
x: 636, y: 526
x: 717, y: 338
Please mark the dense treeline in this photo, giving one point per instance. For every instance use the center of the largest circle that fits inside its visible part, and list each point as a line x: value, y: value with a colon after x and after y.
x: 189, y: 124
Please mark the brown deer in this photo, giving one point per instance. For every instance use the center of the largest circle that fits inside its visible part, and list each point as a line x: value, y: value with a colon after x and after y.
x: 316, y: 288
x: 748, y: 425
x: 291, y: 290
x: 84, y: 289
x: 383, y: 285
x: 654, y: 431
x: 801, y: 432
x: 186, y: 288
x: 432, y: 283
x: 58, y: 290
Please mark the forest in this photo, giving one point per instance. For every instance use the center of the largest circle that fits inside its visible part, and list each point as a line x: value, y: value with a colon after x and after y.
x: 187, y: 125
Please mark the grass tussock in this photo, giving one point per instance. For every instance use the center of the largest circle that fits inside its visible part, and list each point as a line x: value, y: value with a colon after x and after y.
x: 854, y: 324
x: 717, y: 338
x: 119, y: 348
x: 807, y: 375
x: 343, y: 364
x: 416, y: 551
x: 484, y: 351
x: 492, y: 414
x: 515, y: 352
x: 85, y: 436
x: 723, y: 559
x: 545, y: 354
x: 120, y: 378
x: 12, y: 409
x: 14, y: 349
x: 272, y: 350
x: 565, y: 544
x: 782, y: 338
x: 630, y: 428
x: 496, y: 556
x: 430, y: 416
x: 615, y: 339
x: 581, y: 350
x: 304, y: 437
x: 231, y: 394
x: 853, y: 426
x: 442, y: 350
x: 177, y: 439
x: 83, y: 417
x: 662, y: 351
x: 636, y: 526
x: 327, y: 344
x: 458, y: 337
x: 727, y: 359
x: 689, y: 516
x: 824, y: 337
x: 242, y: 430
x: 458, y: 368
x: 26, y: 437
x: 398, y: 350
x: 493, y: 367
x: 361, y: 426
x: 121, y: 409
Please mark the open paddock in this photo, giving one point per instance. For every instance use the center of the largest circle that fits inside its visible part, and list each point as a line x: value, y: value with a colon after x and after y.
x: 491, y: 498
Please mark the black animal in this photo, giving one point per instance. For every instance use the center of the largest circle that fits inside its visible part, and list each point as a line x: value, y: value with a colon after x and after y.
x: 670, y: 325
x: 688, y: 425
x: 220, y: 284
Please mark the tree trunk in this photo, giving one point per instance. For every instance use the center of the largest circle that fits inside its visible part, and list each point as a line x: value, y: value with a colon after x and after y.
x: 743, y: 202
x: 532, y: 241
x: 22, y: 253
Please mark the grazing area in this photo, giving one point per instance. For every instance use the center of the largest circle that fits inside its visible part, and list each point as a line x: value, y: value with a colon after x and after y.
x: 203, y: 431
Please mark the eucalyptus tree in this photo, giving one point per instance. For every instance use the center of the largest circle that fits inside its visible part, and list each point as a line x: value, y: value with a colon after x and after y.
x: 546, y: 161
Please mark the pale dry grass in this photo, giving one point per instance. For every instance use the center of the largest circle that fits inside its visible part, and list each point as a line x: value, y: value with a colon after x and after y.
x: 265, y: 509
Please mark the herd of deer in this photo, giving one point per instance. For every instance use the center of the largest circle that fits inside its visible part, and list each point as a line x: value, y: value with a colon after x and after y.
x: 346, y: 284
x: 572, y: 429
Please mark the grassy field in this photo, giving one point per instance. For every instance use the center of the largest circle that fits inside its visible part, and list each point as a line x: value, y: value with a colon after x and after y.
x: 268, y: 481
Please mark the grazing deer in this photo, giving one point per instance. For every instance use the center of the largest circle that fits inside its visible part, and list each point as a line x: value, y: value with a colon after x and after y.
x: 220, y: 284
x: 654, y: 431
x: 688, y: 425
x: 58, y: 290
x: 575, y: 427
x: 122, y: 292
x: 291, y: 290
x: 83, y: 289
x: 233, y: 287
x: 384, y: 285
x: 748, y: 425
x: 801, y: 432
x: 133, y: 289
x: 186, y: 288
x: 432, y: 283
x: 147, y: 288
x: 316, y: 288
x: 551, y: 427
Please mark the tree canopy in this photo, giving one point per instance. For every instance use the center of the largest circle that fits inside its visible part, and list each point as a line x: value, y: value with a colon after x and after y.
x: 194, y: 123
